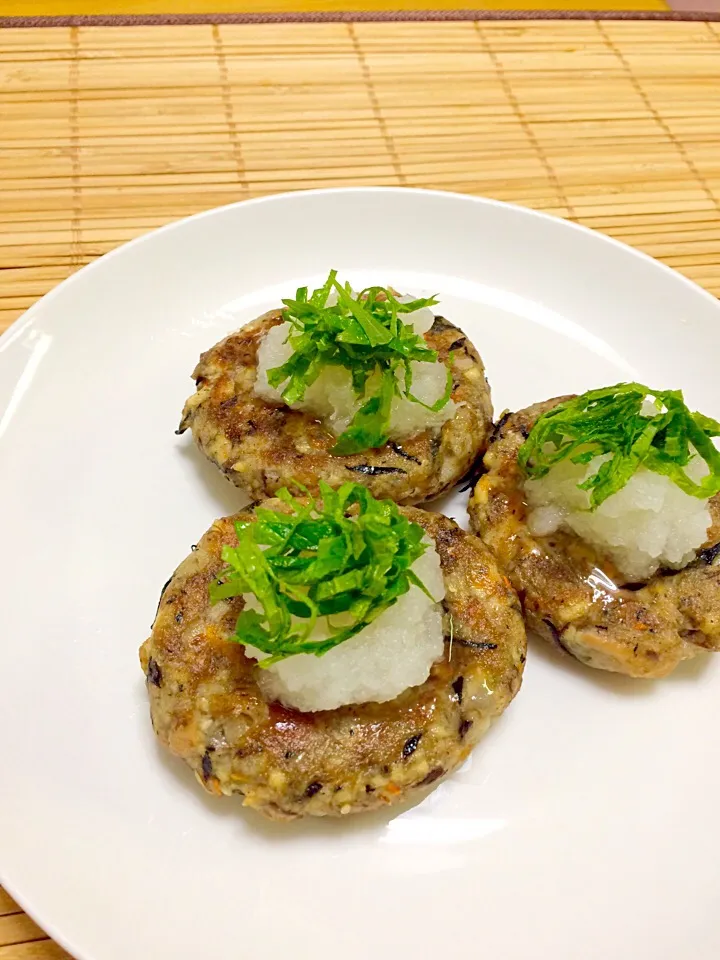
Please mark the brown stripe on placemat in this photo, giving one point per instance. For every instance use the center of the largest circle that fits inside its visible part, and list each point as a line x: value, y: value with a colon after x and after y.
x: 349, y: 16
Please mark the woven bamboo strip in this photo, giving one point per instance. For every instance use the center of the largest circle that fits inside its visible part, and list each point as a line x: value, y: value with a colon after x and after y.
x: 37, y: 950
x: 7, y: 904
x: 18, y: 928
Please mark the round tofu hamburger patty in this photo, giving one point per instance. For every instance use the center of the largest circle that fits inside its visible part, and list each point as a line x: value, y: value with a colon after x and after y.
x: 262, y: 446
x: 573, y: 595
x: 207, y: 707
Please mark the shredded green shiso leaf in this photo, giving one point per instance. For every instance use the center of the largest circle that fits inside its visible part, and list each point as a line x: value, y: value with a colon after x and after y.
x: 364, y: 333
x: 611, y: 421
x: 318, y: 562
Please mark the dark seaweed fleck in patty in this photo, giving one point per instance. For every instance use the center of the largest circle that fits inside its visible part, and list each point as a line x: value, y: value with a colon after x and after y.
x: 371, y: 471
x: 411, y: 745
x: 396, y: 448
x: 154, y: 673
x: 708, y: 556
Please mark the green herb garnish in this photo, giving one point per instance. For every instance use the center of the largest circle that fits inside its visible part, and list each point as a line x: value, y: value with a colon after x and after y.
x: 611, y: 421
x: 365, y: 334
x: 318, y: 562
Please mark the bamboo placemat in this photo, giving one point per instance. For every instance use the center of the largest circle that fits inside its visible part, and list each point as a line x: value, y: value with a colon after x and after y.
x: 106, y: 133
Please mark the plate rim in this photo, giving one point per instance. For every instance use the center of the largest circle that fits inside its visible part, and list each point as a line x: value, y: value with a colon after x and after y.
x: 25, y: 318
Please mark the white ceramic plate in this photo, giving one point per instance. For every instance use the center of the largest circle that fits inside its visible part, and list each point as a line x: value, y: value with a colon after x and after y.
x: 583, y: 827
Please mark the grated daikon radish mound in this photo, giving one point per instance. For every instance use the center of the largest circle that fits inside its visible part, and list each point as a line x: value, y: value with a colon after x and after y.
x: 394, y: 652
x: 649, y: 523
x: 332, y: 398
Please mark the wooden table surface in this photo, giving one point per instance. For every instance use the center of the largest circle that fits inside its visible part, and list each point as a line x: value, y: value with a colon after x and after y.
x: 106, y: 133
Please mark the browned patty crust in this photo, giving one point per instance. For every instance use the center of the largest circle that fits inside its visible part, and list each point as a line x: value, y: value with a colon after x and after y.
x: 263, y: 446
x: 643, y: 630
x: 206, y: 705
